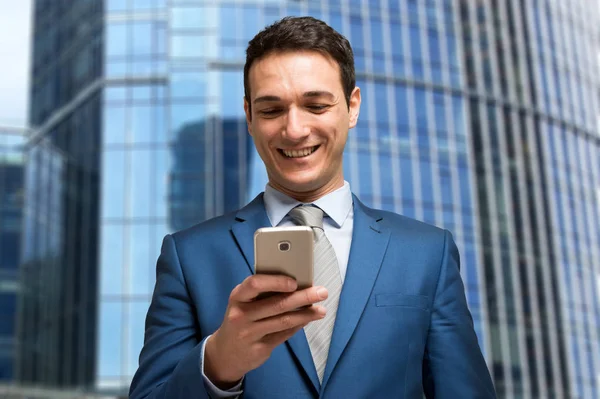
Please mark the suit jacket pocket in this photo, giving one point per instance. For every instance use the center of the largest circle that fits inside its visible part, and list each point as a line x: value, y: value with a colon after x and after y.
x: 396, y: 299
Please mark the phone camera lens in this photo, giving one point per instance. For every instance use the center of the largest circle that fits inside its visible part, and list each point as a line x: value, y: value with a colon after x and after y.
x: 284, y: 246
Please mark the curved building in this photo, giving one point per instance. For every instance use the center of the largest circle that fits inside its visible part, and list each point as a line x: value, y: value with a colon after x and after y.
x: 478, y: 116
x: 534, y: 123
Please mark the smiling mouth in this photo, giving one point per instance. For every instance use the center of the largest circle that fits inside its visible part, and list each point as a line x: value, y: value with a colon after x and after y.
x: 298, y: 153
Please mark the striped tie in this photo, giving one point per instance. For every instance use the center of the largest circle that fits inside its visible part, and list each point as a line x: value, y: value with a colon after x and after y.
x: 327, y: 274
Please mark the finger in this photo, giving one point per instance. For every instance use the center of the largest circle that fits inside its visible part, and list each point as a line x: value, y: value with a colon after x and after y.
x: 257, y: 284
x: 280, y: 337
x: 283, y: 303
x: 287, y: 321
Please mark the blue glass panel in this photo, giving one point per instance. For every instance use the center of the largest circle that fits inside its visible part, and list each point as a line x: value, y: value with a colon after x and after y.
x: 434, y: 46
x: 435, y: 56
x: 114, y: 124
x: 140, y: 183
x: 386, y: 173
x: 445, y: 179
x: 465, y: 188
x: 420, y: 105
x: 272, y: 14
x: 116, y: 5
x: 251, y: 25
x: 141, y: 264
x: 111, y: 266
x: 406, y: 174
x: 109, y: 348
x: 413, y: 11
x: 189, y: 46
x: 162, y: 172
x: 183, y: 114
x: 228, y: 20
x: 8, y: 306
x: 232, y: 95
x: 398, y: 53
x: 377, y: 37
x: 426, y: 181
x: 360, y: 61
x: 116, y: 39
x: 193, y: 18
x: 135, y: 341
x: 460, y: 124
x: 141, y: 123
x: 188, y: 84
x: 356, y: 32
x: 143, y: 4
x: 428, y: 214
x: 402, y: 106
x: 144, y: 67
x: 161, y: 132
x: 439, y: 111
x: 335, y: 21
x: 142, y: 94
x: 160, y: 39
x: 362, y: 130
x: 115, y: 94
x: 116, y: 69
x: 141, y: 38
x: 113, y: 183
x: 415, y: 43
x: 365, y: 174
x: 448, y: 219
x: 453, y: 60
x: 381, y: 101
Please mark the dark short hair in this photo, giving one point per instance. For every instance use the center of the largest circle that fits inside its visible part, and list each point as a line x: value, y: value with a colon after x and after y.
x: 303, y: 33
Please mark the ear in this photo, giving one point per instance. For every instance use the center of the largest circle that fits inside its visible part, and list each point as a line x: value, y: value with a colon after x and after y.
x: 354, y: 107
x: 248, y: 113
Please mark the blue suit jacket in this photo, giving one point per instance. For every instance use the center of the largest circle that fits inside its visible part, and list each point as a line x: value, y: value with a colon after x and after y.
x: 402, y: 327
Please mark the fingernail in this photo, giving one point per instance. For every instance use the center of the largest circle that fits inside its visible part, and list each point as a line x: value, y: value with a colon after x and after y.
x: 321, y: 311
x: 322, y: 293
x: 292, y: 284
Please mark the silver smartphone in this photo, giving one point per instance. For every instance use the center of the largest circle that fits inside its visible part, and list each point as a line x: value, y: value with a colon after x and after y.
x: 287, y: 251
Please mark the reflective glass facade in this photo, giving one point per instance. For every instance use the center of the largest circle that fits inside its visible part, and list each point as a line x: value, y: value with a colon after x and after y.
x: 141, y: 132
x: 534, y: 107
x: 59, y: 266
x: 11, y: 217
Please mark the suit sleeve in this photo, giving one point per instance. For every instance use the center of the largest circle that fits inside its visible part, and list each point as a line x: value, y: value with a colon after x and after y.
x: 170, y: 359
x: 453, y: 365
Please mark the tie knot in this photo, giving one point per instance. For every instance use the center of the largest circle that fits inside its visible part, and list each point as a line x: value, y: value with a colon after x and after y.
x: 307, y: 215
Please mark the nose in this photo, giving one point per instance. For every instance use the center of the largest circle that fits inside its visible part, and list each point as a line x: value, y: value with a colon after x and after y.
x: 295, y: 128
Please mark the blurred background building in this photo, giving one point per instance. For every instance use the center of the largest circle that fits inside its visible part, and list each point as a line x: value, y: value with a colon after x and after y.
x: 482, y: 117
x: 12, y: 148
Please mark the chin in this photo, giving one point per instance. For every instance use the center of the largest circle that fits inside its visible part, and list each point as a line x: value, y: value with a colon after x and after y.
x: 299, y: 183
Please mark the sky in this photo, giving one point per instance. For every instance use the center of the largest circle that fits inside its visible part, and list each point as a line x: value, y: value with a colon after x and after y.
x: 15, y: 44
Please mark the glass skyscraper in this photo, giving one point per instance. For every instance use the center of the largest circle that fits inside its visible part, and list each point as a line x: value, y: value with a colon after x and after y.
x: 12, y: 142
x: 478, y: 116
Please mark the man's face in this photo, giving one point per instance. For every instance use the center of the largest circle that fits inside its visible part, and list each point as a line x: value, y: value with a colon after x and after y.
x: 300, y: 121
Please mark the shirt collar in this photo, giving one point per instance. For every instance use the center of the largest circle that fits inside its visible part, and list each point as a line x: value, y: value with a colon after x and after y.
x: 336, y: 204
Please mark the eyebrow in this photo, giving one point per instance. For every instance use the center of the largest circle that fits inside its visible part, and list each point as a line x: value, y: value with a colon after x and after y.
x: 319, y: 93
x: 308, y: 94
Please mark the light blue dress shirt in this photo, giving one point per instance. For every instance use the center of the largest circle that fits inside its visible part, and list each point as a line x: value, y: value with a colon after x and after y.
x: 338, y: 223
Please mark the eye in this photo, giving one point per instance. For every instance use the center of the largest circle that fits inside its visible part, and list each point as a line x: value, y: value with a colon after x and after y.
x: 270, y: 112
x: 317, y: 108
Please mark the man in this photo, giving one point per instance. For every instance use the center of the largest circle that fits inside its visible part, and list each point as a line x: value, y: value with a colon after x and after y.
x: 393, y: 299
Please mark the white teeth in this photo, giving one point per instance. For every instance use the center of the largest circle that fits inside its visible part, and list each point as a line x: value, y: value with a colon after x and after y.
x: 299, y: 153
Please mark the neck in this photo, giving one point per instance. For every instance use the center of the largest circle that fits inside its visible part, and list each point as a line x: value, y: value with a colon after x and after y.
x: 311, y: 195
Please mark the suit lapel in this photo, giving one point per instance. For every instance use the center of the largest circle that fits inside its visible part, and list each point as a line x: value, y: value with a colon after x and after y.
x: 248, y: 219
x: 368, y: 247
